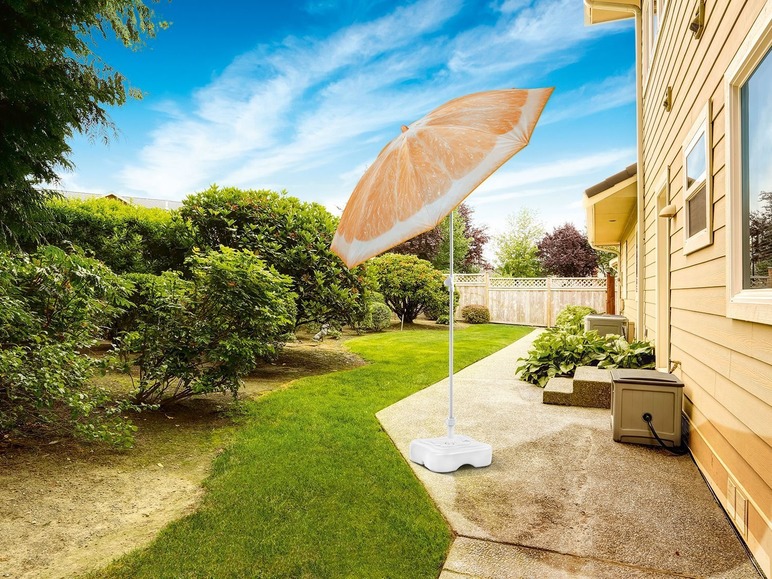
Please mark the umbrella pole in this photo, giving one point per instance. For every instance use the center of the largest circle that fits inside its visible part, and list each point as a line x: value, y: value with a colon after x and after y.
x: 451, y: 422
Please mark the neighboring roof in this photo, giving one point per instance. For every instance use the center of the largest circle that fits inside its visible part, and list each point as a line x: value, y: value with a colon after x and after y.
x: 626, y: 173
x: 142, y: 201
x: 599, y: 15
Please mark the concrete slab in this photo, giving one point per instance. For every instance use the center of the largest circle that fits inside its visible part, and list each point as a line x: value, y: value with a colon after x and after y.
x: 560, y: 485
x: 559, y: 391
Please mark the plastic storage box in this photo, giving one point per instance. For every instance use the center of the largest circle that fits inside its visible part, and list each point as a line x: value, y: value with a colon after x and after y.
x: 638, y: 392
x: 606, y: 324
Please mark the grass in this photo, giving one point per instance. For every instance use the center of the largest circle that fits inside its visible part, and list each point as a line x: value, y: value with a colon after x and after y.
x: 312, y: 486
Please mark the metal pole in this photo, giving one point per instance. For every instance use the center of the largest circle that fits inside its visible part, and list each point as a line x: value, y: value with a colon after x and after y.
x: 451, y: 420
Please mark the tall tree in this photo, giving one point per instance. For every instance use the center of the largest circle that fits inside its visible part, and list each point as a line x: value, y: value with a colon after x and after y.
x: 516, y: 250
x: 468, y: 243
x: 566, y: 253
x: 478, y: 237
x: 53, y: 85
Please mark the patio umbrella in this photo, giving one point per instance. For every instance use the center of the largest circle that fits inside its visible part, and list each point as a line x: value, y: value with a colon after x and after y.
x: 418, y: 179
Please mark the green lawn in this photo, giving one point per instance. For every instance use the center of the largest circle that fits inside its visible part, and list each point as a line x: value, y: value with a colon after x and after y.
x: 312, y: 486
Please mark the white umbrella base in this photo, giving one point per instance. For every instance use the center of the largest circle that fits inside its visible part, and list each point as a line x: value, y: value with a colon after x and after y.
x: 449, y: 454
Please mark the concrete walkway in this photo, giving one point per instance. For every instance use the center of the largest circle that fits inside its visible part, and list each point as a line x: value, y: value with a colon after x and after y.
x: 561, y: 499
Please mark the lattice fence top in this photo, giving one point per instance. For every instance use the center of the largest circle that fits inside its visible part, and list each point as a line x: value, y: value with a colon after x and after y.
x: 531, y: 282
x: 579, y: 282
x: 476, y: 278
x: 518, y: 282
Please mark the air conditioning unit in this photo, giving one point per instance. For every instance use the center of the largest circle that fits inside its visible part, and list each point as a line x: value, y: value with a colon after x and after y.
x: 638, y: 395
x: 606, y: 324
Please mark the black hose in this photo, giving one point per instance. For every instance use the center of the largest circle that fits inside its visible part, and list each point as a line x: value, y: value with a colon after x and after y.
x: 674, y: 450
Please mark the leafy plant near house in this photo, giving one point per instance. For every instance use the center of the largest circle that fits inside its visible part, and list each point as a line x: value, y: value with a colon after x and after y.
x: 476, y: 314
x: 53, y: 305
x: 561, y: 350
x: 203, y: 335
x: 572, y: 317
x: 558, y: 352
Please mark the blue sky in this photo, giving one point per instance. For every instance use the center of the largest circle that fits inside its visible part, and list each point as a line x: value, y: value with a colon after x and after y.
x: 303, y: 95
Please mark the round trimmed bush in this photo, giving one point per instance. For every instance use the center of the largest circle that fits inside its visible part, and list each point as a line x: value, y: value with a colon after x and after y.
x: 380, y: 317
x: 476, y: 314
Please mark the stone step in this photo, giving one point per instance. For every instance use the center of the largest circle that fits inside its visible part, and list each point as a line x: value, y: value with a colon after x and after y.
x: 558, y: 391
x: 590, y: 388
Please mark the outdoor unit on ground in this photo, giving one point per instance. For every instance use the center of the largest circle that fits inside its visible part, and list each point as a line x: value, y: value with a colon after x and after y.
x: 645, y: 402
x: 606, y: 324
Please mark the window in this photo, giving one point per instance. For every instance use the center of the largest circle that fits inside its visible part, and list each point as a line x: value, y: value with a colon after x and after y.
x: 748, y: 82
x: 654, y: 13
x: 698, y: 200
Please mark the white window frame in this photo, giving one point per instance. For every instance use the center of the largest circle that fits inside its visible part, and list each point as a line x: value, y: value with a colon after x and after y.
x: 651, y: 37
x: 704, y: 237
x: 754, y: 305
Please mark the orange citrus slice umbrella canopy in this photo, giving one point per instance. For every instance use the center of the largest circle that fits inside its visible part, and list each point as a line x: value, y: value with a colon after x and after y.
x: 437, y: 161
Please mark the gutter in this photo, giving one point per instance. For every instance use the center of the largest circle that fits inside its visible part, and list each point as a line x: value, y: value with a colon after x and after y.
x: 636, y: 12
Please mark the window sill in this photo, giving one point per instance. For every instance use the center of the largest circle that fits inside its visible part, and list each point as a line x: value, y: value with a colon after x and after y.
x: 697, y: 241
x: 751, y: 306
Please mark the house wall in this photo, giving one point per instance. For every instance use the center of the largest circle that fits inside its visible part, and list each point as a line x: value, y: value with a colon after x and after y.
x: 629, y: 281
x: 726, y: 364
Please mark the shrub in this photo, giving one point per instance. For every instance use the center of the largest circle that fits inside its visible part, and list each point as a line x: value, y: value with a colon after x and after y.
x: 476, y: 314
x: 293, y: 237
x: 409, y: 285
x: 200, y: 336
x: 572, y: 317
x: 380, y: 317
x: 620, y: 354
x: 559, y: 351
x: 127, y: 238
x: 52, y: 306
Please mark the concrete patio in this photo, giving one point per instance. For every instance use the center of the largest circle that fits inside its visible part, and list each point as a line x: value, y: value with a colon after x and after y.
x: 562, y: 499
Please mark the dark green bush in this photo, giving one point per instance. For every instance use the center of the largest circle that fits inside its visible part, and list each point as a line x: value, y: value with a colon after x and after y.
x: 127, y: 238
x: 409, y: 285
x: 201, y: 336
x: 476, y: 314
x: 380, y: 317
x: 293, y: 237
x: 572, y: 317
x: 53, y: 305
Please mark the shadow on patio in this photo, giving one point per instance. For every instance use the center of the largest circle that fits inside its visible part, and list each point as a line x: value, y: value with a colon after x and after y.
x: 562, y: 499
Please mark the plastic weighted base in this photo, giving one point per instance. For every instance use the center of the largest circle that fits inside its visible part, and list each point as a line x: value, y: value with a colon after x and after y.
x: 448, y: 454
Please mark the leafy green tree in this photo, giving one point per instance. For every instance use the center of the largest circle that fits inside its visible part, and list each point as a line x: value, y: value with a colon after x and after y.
x: 204, y: 335
x: 461, y: 244
x: 433, y: 245
x: 292, y: 236
x: 53, y: 305
x: 53, y: 85
x: 409, y: 285
x: 516, y: 249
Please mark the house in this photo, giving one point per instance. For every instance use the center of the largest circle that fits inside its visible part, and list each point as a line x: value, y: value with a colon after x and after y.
x: 142, y: 201
x: 692, y: 224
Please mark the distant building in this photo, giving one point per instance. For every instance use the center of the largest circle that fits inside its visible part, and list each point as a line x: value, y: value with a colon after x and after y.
x: 167, y: 204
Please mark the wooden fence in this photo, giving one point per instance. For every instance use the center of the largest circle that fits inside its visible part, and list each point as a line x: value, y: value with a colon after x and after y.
x: 529, y: 301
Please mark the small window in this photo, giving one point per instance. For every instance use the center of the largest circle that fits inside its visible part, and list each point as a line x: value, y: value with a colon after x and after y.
x: 698, y: 201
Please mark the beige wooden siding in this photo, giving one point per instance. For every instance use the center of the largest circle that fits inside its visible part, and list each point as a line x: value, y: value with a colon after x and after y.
x: 627, y: 266
x: 726, y: 363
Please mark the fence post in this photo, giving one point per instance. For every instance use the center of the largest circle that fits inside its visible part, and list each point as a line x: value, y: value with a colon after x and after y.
x: 611, y: 299
x: 487, y: 288
x: 549, y: 302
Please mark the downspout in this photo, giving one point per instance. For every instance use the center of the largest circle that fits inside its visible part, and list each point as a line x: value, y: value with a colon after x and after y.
x: 636, y: 12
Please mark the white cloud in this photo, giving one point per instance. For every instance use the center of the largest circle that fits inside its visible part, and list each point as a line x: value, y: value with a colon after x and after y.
x: 591, y: 98
x: 306, y: 103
